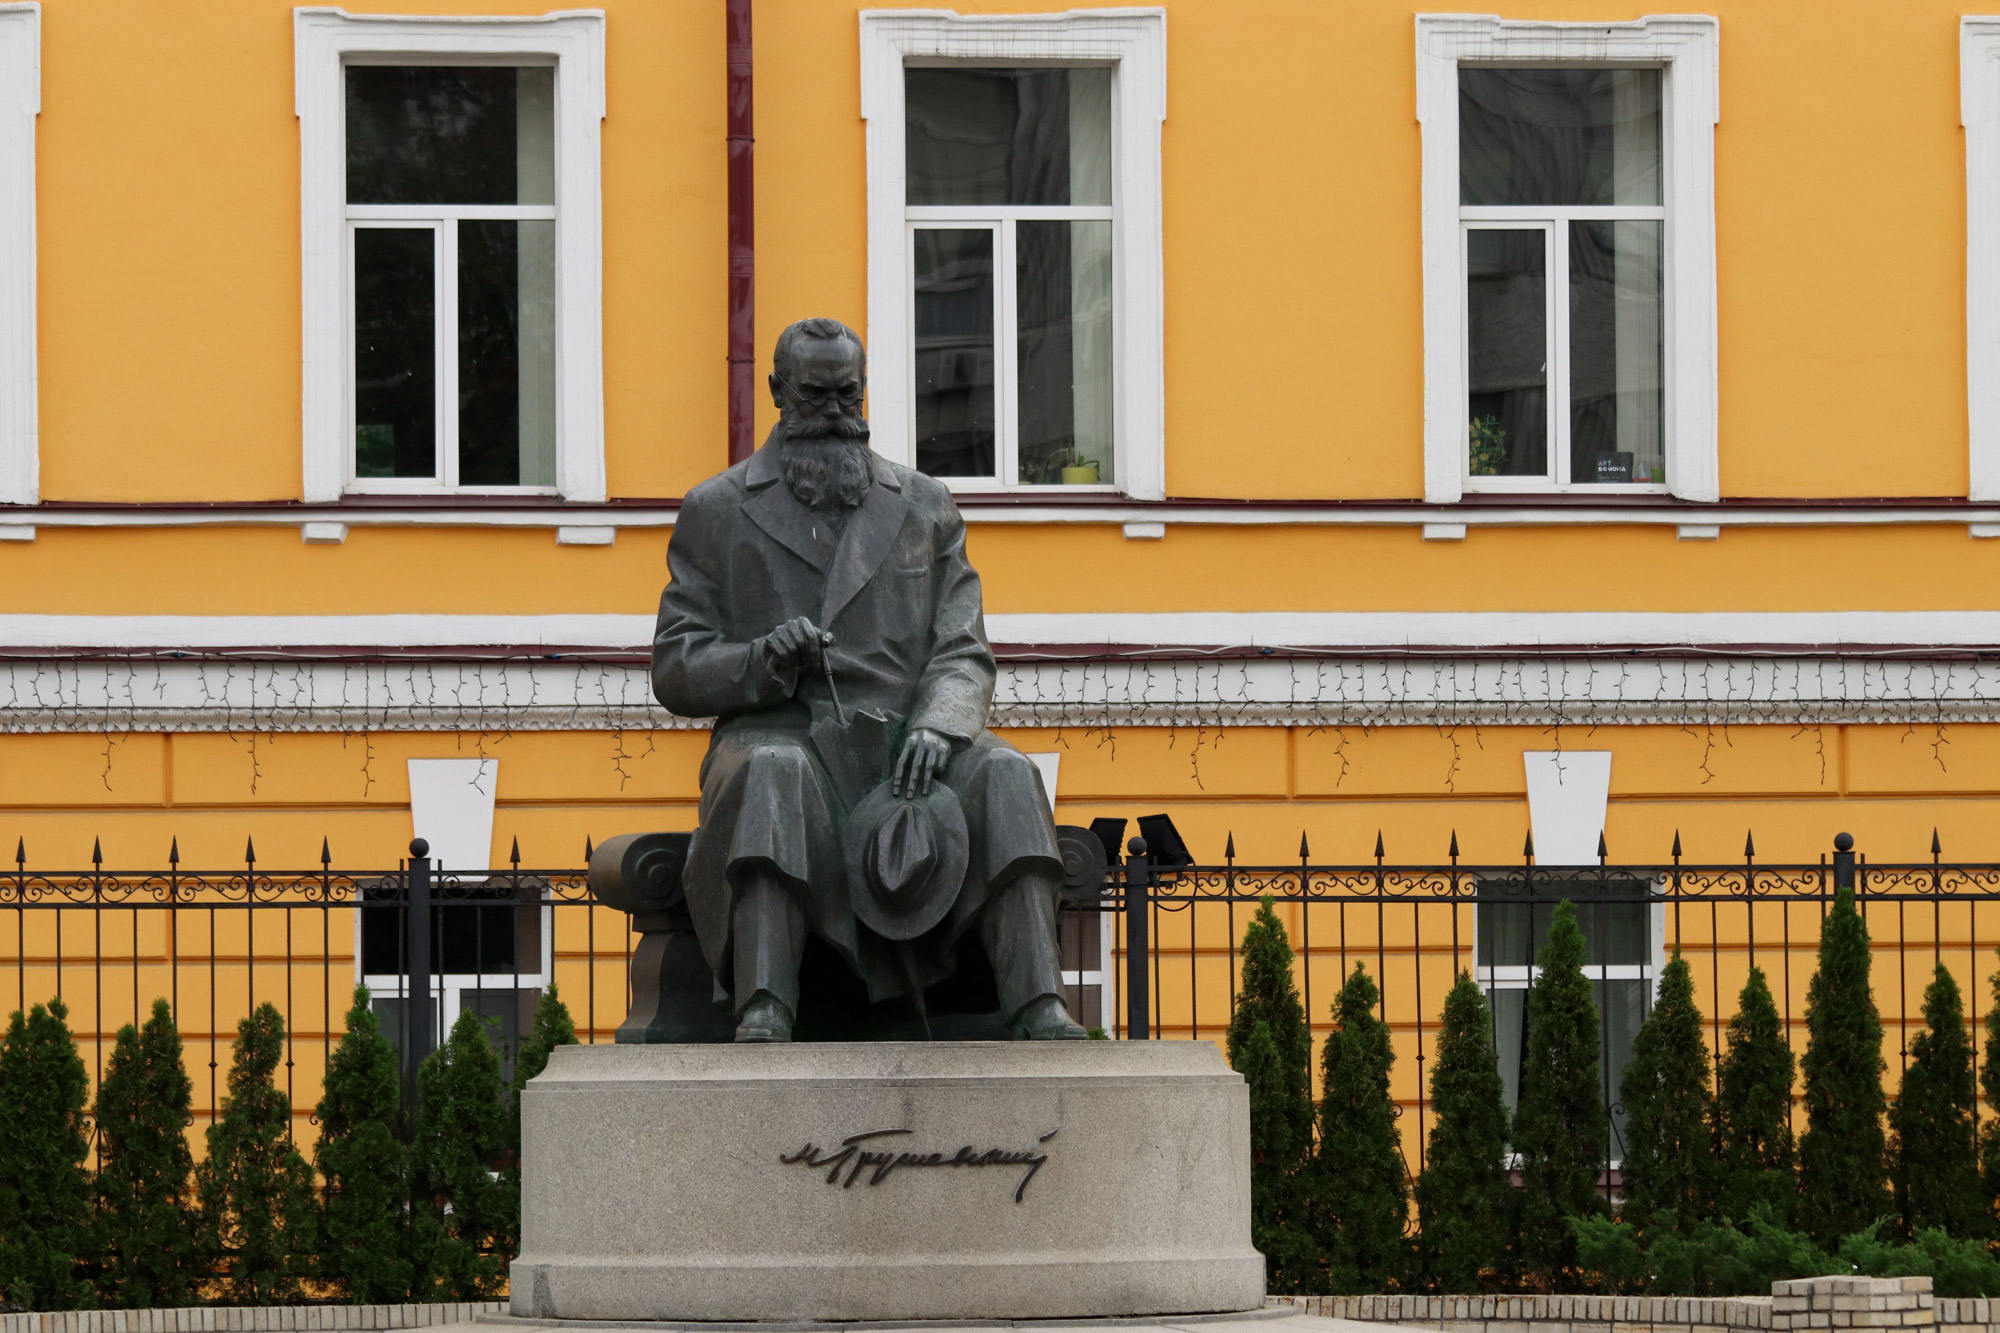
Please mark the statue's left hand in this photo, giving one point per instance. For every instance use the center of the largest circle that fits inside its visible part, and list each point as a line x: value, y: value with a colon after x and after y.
x: 923, y: 758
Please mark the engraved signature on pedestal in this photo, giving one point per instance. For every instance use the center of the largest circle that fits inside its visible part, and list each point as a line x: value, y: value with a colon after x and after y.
x: 879, y: 1162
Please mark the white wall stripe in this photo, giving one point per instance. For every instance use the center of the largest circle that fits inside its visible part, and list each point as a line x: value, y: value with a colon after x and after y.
x: 1345, y: 630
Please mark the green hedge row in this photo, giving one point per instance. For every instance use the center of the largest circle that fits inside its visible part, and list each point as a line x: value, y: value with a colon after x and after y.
x: 393, y: 1212
x: 1714, y: 1198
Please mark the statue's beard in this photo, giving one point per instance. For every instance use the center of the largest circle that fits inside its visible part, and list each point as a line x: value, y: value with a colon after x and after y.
x: 826, y: 463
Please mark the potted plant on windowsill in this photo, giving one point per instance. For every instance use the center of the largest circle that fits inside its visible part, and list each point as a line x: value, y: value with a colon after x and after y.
x: 1083, y: 472
x: 1063, y: 465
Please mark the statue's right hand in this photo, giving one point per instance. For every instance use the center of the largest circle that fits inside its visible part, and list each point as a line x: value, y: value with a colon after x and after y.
x: 796, y: 643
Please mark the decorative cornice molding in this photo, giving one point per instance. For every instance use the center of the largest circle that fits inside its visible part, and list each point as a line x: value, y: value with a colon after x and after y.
x: 1472, y: 513
x: 487, y: 697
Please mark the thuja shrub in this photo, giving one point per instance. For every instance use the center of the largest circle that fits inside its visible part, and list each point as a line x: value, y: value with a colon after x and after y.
x: 1843, y: 1169
x: 1560, y: 1124
x: 1934, y: 1159
x: 1270, y: 1047
x: 1463, y: 1194
x: 1359, y: 1184
x: 364, y: 1257
x: 145, y: 1197
x: 46, y: 1225
x: 1669, y: 1165
x: 463, y: 1216
x: 1989, y: 1080
x: 258, y: 1210
x: 552, y: 1027
x: 1707, y: 1259
x: 1753, y: 1109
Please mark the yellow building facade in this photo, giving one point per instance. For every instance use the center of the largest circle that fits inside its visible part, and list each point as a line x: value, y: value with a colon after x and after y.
x: 1349, y: 563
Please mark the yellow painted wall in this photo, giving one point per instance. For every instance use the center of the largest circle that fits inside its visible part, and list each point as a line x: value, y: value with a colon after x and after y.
x: 1263, y: 786
x: 169, y: 350
x: 168, y: 202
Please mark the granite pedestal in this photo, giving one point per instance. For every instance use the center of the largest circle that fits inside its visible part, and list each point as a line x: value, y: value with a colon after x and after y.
x: 887, y: 1180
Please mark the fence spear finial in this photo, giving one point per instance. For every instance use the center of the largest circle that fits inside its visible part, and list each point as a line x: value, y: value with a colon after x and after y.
x: 514, y: 857
x: 1937, y: 848
x: 1749, y: 845
x: 1677, y: 844
x: 96, y: 852
x: 1528, y: 845
x: 1304, y: 853
x: 325, y: 851
x: 1378, y: 844
x: 1229, y: 847
x: 174, y: 853
x: 20, y: 851
x: 588, y: 850
x: 1454, y: 844
x: 249, y: 852
x: 1603, y: 851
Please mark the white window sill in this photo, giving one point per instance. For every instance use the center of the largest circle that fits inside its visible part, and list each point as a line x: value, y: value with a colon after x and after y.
x: 1530, y: 489
x: 434, y: 491
x: 986, y: 489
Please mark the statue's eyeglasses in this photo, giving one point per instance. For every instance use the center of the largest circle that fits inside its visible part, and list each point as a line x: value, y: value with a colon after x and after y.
x: 849, y: 394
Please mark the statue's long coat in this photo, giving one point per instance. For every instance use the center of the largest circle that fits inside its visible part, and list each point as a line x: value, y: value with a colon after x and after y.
x: 903, y: 605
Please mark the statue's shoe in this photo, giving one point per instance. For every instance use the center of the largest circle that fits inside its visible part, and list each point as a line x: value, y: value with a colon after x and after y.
x: 1047, y: 1019
x: 764, y: 1019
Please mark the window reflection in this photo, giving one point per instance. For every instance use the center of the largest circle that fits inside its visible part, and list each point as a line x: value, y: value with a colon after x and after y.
x: 954, y: 351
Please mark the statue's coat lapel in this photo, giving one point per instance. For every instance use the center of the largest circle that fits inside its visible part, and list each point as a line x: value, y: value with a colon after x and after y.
x: 777, y: 511
x: 871, y: 531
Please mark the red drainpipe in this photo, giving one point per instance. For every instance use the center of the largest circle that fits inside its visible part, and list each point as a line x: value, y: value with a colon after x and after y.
x: 742, y: 236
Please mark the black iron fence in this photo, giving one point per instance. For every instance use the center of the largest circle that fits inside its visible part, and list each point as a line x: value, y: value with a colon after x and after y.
x: 1415, y: 928
x: 432, y: 945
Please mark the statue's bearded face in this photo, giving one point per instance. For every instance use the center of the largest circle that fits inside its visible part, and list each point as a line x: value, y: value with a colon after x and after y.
x: 823, y: 438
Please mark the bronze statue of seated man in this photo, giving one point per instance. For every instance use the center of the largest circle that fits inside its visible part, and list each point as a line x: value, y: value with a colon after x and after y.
x: 857, y: 817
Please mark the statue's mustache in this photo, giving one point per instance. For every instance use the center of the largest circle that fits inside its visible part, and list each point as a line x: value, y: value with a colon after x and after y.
x: 824, y: 428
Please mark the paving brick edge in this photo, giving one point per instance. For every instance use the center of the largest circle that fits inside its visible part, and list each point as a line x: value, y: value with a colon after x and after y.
x: 1806, y: 1304
x: 251, y: 1318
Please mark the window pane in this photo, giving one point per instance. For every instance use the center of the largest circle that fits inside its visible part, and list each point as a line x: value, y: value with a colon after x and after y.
x: 506, y: 353
x: 1621, y: 1008
x: 954, y: 352
x: 1615, y: 337
x: 394, y: 1016
x: 1007, y: 136
x: 1063, y: 295
x: 450, y: 134
x: 501, y: 1013
x: 1558, y: 136
x: 395, y: 352
x: 1506, y: 327
x: 469, y: 938
x: 1614, y: 933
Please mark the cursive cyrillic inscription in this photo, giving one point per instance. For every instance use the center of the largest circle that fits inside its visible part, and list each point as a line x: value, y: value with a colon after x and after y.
x: 852, y: 1157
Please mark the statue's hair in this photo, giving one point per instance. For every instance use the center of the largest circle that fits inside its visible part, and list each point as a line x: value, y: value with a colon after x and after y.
x: 785, y: 356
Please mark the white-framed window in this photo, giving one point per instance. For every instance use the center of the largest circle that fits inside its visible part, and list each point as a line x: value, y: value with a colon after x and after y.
x: 1624, y: 953
x: 452, y: 253
x: 1569, y: 255
x: 490, y: 953
x: 20, y: 103
x: 1014, y: 278
x: 1979, y: 112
